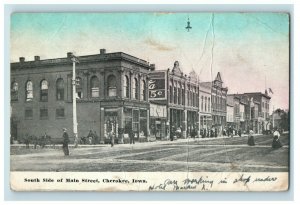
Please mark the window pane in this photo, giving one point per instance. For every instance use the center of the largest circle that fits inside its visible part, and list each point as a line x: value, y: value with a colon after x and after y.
x: 60, y: 89
x: 112, y: 86
x: 60, y: 112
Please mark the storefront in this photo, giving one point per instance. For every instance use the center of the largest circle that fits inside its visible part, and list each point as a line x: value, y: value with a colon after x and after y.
x: 120, y: 122
x: 158, y: 121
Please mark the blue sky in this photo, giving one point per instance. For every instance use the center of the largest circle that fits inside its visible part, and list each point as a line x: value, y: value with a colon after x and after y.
x: 245, y: 47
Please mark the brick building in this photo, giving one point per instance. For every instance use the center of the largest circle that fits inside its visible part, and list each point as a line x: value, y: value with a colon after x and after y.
x: 112, y: 96
x: 218, y: 103
x: 181, y: 100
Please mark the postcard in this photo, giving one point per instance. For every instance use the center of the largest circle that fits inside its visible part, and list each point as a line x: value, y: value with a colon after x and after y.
x: 149, y: 101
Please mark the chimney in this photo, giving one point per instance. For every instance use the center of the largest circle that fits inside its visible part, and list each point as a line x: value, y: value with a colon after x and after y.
x: 36, y: 58
x: 102, y: 51
x: 69, y: 54
x: 152, y: 67
x: 22, y: 59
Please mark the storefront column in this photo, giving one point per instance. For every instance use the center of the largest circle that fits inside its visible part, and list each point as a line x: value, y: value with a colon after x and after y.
x: 148, y: 125
x: 120, y: 125
x: 102, y: 123
x: 184, y: 124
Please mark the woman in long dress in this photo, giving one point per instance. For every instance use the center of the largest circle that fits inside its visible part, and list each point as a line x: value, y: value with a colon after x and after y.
x: 276, y: 142
x: 251, y: 138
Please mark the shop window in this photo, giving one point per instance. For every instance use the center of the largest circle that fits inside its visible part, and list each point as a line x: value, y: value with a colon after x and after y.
x: 112, y: 86
x: 135, y: 120
x: 60, y: 91
x: 128, y: 120
x: 143, y: 123
x: 29, y: 91
x: 14, y: 91
x: 94, y: 87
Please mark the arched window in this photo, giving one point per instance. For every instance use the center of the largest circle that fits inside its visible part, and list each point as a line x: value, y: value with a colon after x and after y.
x: 29, y: 91
x: 94, y: 87
x: 14, y: 91
x: 79, y: 90
x: 143, y: 90
x: 112, y: 86
x: 44, y: 91
x: 135, y: 89
x: 126, y: 87
x: 60, y: 91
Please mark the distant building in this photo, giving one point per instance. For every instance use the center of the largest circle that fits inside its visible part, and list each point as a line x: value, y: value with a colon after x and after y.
x: 230, y: 113
x: 205, y: 107
x: 111, y: 91
x: 218, y: 104
x: 256, y: 111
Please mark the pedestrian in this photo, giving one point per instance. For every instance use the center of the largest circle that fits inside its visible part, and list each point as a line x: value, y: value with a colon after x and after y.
x: 112, y: 138
x: 276, y: 142
x: 65, y: 142
x: 27, y: 141
x: 172, y: 133
x: 131, y: 137
x: 251, y: 138
x: 240, y: 132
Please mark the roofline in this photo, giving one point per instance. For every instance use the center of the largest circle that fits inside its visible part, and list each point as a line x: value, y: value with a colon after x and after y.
x: 84, y: 59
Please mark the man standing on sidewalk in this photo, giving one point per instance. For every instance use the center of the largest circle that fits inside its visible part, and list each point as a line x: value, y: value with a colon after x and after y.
x: 65, y: 142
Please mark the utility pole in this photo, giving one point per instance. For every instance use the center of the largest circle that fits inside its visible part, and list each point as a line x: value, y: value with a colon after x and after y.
x: 74, y: 83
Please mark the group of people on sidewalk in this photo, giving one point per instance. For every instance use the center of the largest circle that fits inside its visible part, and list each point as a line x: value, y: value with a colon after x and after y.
x: 251, y: 142
x: 275, y: 143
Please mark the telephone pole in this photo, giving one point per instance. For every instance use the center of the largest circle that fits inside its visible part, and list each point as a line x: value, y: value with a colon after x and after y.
x: 74, y: 83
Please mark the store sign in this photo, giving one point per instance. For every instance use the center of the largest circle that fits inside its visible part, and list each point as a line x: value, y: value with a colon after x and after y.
x: 158, y: 111
x: 157, y: 86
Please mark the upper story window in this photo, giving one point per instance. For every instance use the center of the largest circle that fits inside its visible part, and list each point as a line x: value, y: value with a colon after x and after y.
x: 202, y: 103
x: 111, y: 86
x: 14, y: 91
x: 44, y: 91
x: 29, y: 91
x: 143, y: 90
x: 94, y: 87
x: 126, y: 87
x: 135, y: 88
x: 79, y: 88
x: 208, y: 103
x: 60, y: 91
x: 205, y: 107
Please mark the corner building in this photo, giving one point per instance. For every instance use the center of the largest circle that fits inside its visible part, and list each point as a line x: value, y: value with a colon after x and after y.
x: 111, y: 96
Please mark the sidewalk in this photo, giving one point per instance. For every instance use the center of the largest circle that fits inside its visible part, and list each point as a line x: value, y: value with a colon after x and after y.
x: 137, y: 144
